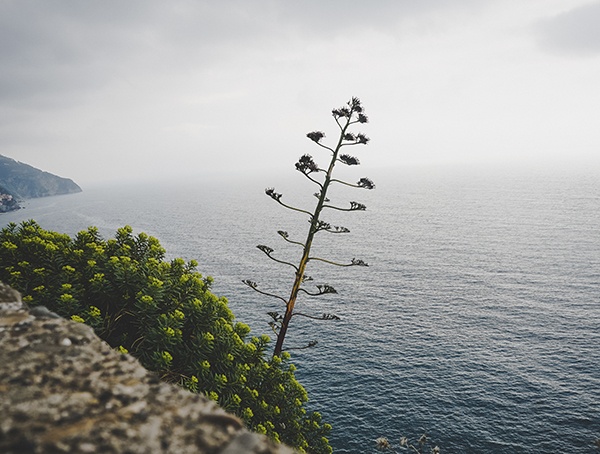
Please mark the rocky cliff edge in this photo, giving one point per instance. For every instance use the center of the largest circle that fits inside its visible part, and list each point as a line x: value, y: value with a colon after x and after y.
x: 62, y: 389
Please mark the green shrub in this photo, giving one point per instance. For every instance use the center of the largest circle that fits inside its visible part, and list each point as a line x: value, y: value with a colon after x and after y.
x: 164, y: 314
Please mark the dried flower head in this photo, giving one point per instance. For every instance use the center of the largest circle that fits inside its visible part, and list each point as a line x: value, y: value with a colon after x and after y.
x: 383, y: 443
x: 250, y: 283
x: 349, y: 160
x: 330, y: 316
x: 361, y: 138
x: 359, y: 262
x: 366, y: 183
x: 322, y: 225
x: 266, y: 249
x: 271, y: 193
x: 340, y: 229
x: 325, y: 288
x: 355, y: 206
x: 306, y: 164
x: 341, y: 112
x: 276, y: 316
x: 355, y: 105
x: 315, y: 136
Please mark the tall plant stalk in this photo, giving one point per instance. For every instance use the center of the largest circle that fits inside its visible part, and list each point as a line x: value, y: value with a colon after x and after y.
x: 345, y: 117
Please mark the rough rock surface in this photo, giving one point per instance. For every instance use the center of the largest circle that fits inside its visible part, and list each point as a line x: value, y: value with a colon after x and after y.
x: 62, y: 389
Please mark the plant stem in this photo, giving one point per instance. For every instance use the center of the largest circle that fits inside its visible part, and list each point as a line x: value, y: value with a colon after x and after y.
x: 314, y: 224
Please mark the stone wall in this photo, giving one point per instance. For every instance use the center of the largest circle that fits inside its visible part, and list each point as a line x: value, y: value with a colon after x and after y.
x: 62, y: 389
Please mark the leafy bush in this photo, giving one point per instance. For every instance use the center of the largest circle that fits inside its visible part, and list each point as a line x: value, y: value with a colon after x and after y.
x: 164, y: 314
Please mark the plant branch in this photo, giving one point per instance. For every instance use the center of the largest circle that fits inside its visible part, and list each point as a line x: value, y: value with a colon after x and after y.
x: 254, y: 287
x: 354, y: 262
x: 317, y: 182
x: 364, y: 183
x: 323, y: 317
x: 277, y: 197
x: 323, y: 290
x: 268, y: 251
x: 326, y: 147
x: 310, y: 345
x: 352, y: 185
x: 285, y: 236
x: 354, y: 206
x: 326, y: 226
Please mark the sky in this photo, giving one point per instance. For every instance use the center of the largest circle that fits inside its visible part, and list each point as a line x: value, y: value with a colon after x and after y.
x: 112, y: 90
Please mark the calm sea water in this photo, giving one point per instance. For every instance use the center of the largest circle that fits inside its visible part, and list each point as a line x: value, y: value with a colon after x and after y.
x: 477, y: 322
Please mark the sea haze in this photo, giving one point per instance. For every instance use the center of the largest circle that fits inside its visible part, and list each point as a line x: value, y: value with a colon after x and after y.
x: 477, y: 321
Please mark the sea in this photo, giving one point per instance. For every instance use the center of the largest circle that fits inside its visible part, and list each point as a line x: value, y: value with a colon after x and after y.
x: 477, y: 321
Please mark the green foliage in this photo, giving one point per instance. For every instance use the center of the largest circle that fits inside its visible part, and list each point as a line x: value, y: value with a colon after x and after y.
x: 164, y: 314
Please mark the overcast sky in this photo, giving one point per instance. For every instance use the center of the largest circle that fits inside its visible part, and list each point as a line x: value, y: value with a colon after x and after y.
x: 107, y: 90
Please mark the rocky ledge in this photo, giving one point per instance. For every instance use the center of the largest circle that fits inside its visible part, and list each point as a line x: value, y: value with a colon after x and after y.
x: 62, y: 389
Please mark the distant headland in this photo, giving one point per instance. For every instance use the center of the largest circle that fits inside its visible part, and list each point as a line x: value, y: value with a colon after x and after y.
x: 19, y: 181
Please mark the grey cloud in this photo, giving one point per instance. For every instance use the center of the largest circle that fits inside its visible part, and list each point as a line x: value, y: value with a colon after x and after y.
x: 331, y: 18
x: 48, y: 52
x: 51, y: 49
x: 77, y: 45
x: 124, y: 79
x: 575, y: 32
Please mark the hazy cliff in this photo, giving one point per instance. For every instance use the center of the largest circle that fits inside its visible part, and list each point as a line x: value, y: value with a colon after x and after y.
x: 23, y: 181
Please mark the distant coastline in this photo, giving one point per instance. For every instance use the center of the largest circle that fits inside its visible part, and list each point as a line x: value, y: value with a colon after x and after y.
x: 19, y: 181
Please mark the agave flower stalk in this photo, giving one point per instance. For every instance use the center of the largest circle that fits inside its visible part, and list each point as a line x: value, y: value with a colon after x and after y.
x: 350, y: 114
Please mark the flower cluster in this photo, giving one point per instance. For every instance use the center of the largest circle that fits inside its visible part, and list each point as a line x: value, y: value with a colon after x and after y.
x: 349, y: 160
x: 352, y: 107
x: 359, y: 262
x: 325, y: 288
x: 315, y: 136
x: 266, y: 249
x: 361, y: 138
x: 366, y: 183
x: 306, y: 164
x: 274, y: 195
x: 355, y: 206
